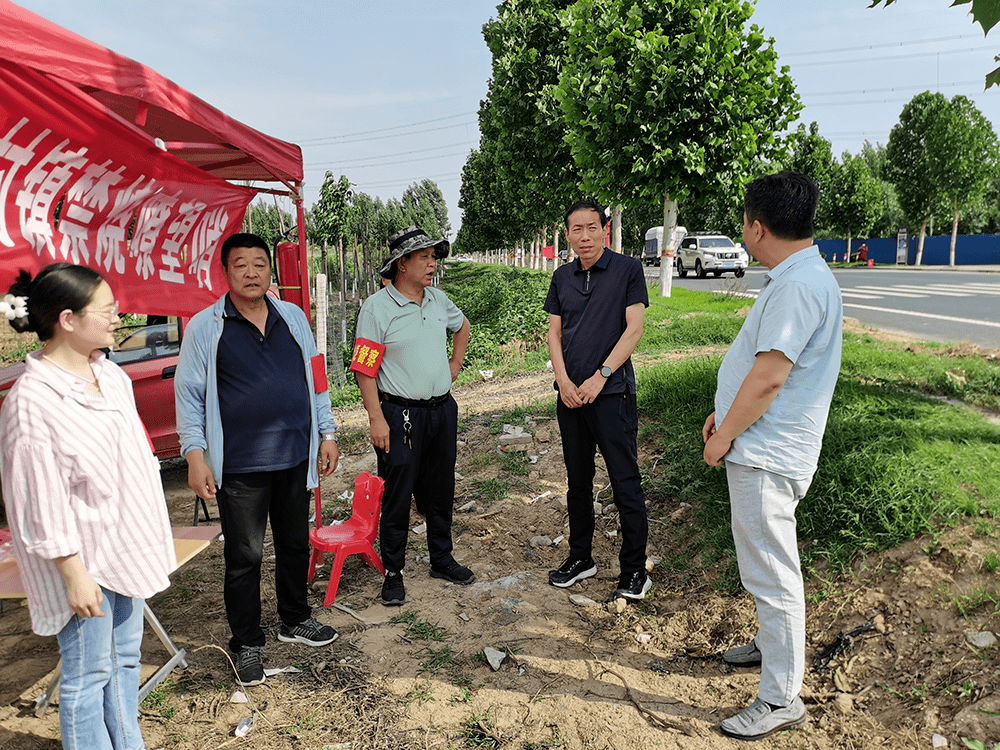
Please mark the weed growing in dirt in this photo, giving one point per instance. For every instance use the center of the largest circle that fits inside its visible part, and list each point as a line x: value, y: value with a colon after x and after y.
x: 158, y: 697
x: 489, y: 489
x: 515, y: 463
x: 433, y: 660
x: 424, y: 631
x: 979, y: 745
x: 421, y: 693
x: 480, y: 731
x: 351, y: 439
x: 979, y: 598
x: 419, y: 629
x: 991, y: 561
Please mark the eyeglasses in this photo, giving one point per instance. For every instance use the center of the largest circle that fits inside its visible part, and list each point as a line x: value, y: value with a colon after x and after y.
x: 109, y: 315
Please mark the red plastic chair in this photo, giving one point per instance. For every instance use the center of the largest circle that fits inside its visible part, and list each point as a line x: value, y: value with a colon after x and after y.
x: 353, y: 537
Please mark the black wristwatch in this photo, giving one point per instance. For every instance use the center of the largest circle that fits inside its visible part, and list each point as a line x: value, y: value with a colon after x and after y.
x: 605, y: 371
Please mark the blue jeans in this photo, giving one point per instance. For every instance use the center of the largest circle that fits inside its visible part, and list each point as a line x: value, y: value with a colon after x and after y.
x: 99, y: 688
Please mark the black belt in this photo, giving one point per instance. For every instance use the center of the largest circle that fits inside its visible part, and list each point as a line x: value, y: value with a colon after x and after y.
x: 426, y: 403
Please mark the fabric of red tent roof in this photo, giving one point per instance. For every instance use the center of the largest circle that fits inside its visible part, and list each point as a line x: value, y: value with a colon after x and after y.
x: 189, y: 127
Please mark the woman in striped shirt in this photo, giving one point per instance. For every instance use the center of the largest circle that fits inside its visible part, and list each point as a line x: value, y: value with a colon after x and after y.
x: 84, y: 501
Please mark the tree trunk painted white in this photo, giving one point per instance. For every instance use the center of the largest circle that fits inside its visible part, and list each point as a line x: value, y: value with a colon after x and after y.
x: 616, y: 229
x: 847, y: 258
x: 920, y: 243
x: 667, y: 251
x: 954, y: 232
x: 555, y: 247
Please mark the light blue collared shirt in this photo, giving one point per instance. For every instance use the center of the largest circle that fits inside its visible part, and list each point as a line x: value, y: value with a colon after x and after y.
x: 800, y: 313
x: 199, y: 419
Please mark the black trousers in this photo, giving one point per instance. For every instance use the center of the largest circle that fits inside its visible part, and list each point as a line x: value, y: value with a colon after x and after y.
x: 610, y: 423
x: 245, y: 503
x: 423, y: 469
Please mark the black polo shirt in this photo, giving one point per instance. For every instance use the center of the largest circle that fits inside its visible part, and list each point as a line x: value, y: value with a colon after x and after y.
x: 263, y: 394
x: 592, y: 306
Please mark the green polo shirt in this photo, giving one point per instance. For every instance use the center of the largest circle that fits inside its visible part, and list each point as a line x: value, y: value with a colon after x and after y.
x: 415, y: 363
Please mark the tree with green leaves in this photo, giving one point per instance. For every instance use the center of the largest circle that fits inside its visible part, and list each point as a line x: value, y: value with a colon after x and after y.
x: 667, y: 99
x: 333, y: 208
x: 967, y: 157
x: 489, y: 222
x: 891, y: 216
x: 268, y: 221
x: 984, y: 12
x: 424, y: 206
x: 854, y: 199
x: 521, y: 125
x: 912, y: 159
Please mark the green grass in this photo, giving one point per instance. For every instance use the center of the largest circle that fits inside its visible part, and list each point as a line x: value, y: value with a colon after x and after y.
x: 489, y: 489
x: 895, y: 463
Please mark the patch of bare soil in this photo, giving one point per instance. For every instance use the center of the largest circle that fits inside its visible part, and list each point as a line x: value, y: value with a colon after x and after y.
x: 577, y: 675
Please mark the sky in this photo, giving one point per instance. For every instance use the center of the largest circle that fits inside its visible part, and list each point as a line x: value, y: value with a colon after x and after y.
x: 387, y: 91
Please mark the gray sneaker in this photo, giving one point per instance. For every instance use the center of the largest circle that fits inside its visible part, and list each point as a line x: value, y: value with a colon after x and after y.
x: 760, y: 719
x: 743, y: 656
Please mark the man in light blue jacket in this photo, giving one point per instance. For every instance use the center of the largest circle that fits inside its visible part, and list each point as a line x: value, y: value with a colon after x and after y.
x: 252, y: 414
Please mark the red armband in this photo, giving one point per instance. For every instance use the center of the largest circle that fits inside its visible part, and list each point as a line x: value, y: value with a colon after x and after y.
x: 320, y: 383
x: 367, y: 357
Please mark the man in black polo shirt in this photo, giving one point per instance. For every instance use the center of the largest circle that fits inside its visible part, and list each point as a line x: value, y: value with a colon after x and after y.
x: 252, y: 420
x: 596, y: 307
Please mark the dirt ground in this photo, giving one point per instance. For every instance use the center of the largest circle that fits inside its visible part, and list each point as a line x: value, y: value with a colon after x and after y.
x: 576, y: 675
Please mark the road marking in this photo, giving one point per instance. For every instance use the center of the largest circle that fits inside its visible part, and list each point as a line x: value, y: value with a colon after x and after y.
x: 933, y: 290
x: 970, y: 288
x: 847, y: 293
x: 881, y: 290
x: 949, y: 318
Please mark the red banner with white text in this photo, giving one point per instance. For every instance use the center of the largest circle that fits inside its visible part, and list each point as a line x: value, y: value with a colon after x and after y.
x: 79, y: 184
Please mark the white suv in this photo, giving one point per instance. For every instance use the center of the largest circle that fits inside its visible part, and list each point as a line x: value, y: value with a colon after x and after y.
x: 705, y: 251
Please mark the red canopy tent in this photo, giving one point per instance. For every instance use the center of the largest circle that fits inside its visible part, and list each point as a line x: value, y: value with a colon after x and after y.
x: 71, y: 112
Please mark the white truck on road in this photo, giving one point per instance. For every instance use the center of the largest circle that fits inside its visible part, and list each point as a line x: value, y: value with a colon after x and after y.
x: 654, y: 244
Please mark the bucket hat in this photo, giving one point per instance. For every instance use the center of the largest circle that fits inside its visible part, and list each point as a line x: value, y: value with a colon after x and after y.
x: 409, y: 240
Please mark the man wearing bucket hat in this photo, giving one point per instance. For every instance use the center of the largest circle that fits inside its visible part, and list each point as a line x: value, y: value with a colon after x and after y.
x: 405, y: 374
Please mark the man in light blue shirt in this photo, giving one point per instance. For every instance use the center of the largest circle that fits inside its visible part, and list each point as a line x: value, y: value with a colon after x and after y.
x: 771, y: 405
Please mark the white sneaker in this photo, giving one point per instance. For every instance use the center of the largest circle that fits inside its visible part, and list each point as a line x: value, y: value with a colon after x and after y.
x: 759, y: 720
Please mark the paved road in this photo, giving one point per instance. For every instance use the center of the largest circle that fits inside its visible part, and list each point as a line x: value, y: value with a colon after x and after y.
x: 933, y: 305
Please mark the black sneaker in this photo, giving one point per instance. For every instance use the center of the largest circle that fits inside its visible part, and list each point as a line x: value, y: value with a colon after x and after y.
x: 632, y: 586
x: 308, y: 632
x: 250, y: 665
x: 572, y: 571
x: 393, y: 591
x: 453, y: 572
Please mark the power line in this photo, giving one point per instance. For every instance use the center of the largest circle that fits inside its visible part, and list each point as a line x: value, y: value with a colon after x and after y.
x: 880, y: 46
x: 894, y: 57
x: 449, y: 177
x: 894, y: 88
x: 394, y: 135
x: 390, y: 163
x: 384, y: 130
x: 389, y: 156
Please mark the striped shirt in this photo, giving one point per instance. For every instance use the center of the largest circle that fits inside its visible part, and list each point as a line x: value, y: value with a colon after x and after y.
x: 79, y: 478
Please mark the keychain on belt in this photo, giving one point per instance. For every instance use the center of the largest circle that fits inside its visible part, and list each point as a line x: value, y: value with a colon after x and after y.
x: 406, y: 428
